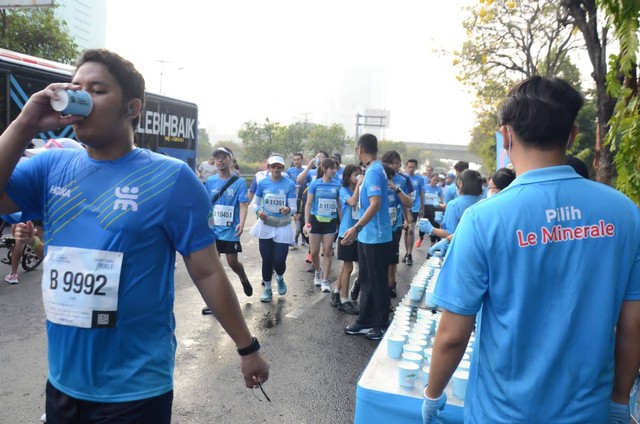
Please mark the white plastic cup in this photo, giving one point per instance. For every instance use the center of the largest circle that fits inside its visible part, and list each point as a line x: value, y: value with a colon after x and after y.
x: 415, y: 292
x: 425, y: 375
x: 72, y: 102
x: 460, y: 379
x: 394, y: 346
x: 407, y: 374
x: 464, y: 365
x: 416, y: 358
x: 418, y: 342
x: 411, y: 348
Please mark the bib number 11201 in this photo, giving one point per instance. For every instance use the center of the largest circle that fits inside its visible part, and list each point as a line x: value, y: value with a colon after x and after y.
x: 78, y: 282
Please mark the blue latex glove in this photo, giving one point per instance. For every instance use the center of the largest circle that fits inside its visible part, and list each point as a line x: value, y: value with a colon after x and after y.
x: 425, y: 226
x: 442, y: 246
x: 431, y: 408
x: 619, y: 413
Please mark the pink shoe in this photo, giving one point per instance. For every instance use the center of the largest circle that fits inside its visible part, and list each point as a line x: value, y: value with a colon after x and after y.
x: 11, y: 278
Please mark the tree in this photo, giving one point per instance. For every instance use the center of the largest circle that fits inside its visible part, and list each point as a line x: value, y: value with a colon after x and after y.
x: 260, y: 140
x: 508, y: 41
x: 204, y: 146
x: 330, y: 139
x: 584, y: 14
x: 37, y: 32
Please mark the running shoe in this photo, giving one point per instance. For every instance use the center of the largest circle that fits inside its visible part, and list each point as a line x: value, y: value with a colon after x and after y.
x: 404, y: 259
x: 43, y: 418
x: 375, y: 333
x: 419, y: 242
x: 11, y: 278
x: 356, y: 329
x: 326, y: 288
x: 409, y: 260
x: 308, y: 258
x: 348, y: 308
x: 335, y: 299
x: 355, y: 290
x: 282, y: 286
x: 392, y: 291
x: 206, y: 311
x: 248, y: 289
x: 267, y: 295
x: 317, y: 278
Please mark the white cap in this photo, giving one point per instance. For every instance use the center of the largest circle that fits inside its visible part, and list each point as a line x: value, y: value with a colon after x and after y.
x: 53, y: 143
x: 223, y: 150
x: 275, y: 159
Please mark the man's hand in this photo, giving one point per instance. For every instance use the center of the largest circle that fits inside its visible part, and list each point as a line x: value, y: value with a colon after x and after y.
x: 431, y: 408
x: 254, y: 367
x: 619, y: 413
x: 349, y: 236
x: 425, y: 226
x: 239, y: 230
x: 38, y: 114
x: 24, y: 231
x: 262, y: 215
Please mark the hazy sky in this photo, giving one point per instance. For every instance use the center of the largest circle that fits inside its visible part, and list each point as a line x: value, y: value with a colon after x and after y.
x: 246, y: 60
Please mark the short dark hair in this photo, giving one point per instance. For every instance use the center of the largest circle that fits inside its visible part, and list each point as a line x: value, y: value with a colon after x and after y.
x: 323, y: 152
x: 391, y: 156
x: 579, y: 166
x: 542, y: 111
x: 388, y: 170
x: 412, y: 161
x: 369, y: 143
x: 337, y: 157
x: 503, y: 177
x: 461, y: 166
x: 329, y: 163
x: 346, y: 175
x: 471, y: 182
x: 130, y: 80
x: 298, y: 154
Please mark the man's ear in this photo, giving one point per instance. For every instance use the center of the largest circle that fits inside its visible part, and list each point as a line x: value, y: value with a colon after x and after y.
x: 134, y: 108
x: 572, y: 137
x: 506, y: 137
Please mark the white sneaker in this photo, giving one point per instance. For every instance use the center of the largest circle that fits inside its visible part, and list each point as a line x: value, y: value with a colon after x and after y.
x: 317, y: 278
x: 43, y: 418
x: 13, y: 279
x: 326, y: 288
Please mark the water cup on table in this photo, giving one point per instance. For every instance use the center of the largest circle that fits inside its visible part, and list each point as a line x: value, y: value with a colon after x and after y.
x: 460, y: 379
x: 407, y: 374
x: 416, y: 358
x: 412, y: 348
x: 416, y: 290
x: 464, y: 365
x: 425, y: 375
x: 394, y: 346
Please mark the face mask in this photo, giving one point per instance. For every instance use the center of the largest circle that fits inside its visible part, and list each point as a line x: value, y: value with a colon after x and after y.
x: 490, y: 193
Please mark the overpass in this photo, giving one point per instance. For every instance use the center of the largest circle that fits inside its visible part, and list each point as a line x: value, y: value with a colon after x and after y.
x: 448, y: 151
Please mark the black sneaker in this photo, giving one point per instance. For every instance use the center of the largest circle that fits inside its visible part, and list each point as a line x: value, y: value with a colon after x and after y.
x: 355, y: 290
x: 404, y: 259
x: 206, y: 311
x: 392, y: 291
x: 375, y: 333
x: 409, y: 260
x: 335, y: 299
x: 248, y: 289
x: 356, y: 329
x: 348, y: 308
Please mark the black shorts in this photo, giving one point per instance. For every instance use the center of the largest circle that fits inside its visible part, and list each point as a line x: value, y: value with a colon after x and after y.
x: 394, y: 258
x: 61, y: 408
x: 415, y: 216
x: 318, y: 227
x: 224, y: 246
x: 347, y: 253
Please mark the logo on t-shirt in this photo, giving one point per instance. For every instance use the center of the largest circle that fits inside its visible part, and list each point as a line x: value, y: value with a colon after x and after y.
x: 127, y: 197
x: 60, y: 191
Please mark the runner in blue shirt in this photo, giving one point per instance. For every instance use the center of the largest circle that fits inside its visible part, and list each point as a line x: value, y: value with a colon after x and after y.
x: 554, y: 275
x: 293, y: 173
x: 114, y: 215
x: 229, y: 198
x: 451, y: 192
x: 275, y: 202
x: 433, y: 199
x: 348, y: 254
x: 373, y: 232
x: 322, y: 215
x: 417, y: 198
x: 310, y: 173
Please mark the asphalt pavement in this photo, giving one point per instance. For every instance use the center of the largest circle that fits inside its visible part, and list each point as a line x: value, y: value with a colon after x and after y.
x: 314, y: 365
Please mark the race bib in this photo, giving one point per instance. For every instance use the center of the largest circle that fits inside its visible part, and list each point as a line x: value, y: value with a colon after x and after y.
x: 274, y: 202
x: 355, y: 213
x: 393, y: 214
x: 80, y: 286
x: 327, y: 207
x: 223, y: 215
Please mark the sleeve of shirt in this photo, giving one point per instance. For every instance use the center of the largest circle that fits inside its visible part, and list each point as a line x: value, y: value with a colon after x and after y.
x: 292, y: 199
x: 451, y: 218
x: 254, y: 185
x: 27, y: 185
x: 312, y: 187
x: 344, y: 195
x: 187, y: 216
x: 242, y: 190
x: 633, y: 288
x: 374, y: 182
x: 463, y: 280
x: 409, y: 185
x: 448, y: 194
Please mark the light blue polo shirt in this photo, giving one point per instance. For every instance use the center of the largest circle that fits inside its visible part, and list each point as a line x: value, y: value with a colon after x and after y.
x: 455, y: 209
x: 450, y: 192
x: 417, y: 183
x: 378, y: 230
x: 432, y: 195
x: 550, y: 267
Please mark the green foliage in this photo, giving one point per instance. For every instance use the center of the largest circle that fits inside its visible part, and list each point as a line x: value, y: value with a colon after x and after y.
x: 332, y: 139
x: 259, y: 140
x: 37, y: 32
x: 204, y: 146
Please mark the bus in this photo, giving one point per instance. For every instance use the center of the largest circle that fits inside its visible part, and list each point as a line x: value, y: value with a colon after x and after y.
x: 167, y: 125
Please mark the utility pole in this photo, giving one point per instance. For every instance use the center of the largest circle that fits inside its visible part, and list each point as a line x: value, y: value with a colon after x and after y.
x: 162, y: 62
x: 376, y: 121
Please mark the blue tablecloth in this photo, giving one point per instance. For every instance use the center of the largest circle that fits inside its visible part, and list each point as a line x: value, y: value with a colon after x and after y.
x: 379, y: 398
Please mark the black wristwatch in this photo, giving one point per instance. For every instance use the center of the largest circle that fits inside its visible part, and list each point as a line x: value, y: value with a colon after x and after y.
x: 397, y: 189
x: 253, y: 347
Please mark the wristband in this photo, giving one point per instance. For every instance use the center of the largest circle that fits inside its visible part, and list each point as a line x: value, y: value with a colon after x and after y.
x: 253, y: 347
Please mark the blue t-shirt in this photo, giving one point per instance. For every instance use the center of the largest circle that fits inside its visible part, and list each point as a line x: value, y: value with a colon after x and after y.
x: 144, y: 205
x: 325, y: 198
x: 275, y: 195
x: 395, y: 210
x: 350, y: 214
x: 450, y: 192
x: 312, y: 175
x: 455, y: 209
x: 339, y: 175
x: 293, y: 173
x: 226, y: 211
x: 417, y: 183
x: 432, y: 195
x: 548, y: 267
x: 378, y: 230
